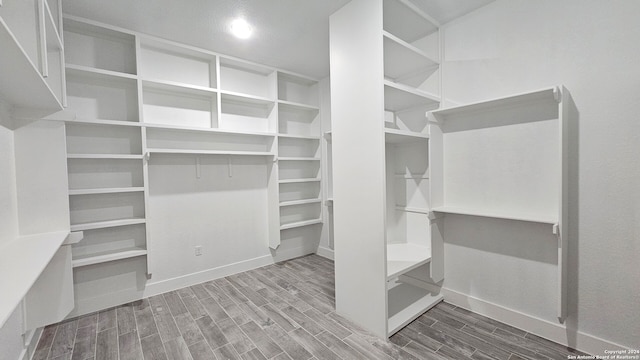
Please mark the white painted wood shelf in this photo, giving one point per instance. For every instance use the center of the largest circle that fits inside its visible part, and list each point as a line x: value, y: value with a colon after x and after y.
x: 291, y: 158
x: 301, y: 180
x: 508, y: 215
x: 82, y: 70
x: 407, y: 303
x: 299, y: 202
x: 208, y: 152
x: 413, y: 209
x: 107, y: 224
x: 402, y: 59
x: 298, y: 224
x: 21, y: 263
x: 105, y: 156
x: 399, y: 97
x: 293, y: 136
x: 402, y: 258
x: 394, y: 136
x: 107, y: 256
x: 105, y: 191
x: 297, y: 106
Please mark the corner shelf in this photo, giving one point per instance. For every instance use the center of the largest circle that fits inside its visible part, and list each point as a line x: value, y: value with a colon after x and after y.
x: 300, y: 224
x: 401, y: 97
x: 108, y: 256
x: 107, y: 224
x: 402, y: 59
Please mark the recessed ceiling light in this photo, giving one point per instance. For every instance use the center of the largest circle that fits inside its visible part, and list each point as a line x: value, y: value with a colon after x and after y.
x: 241, y: 28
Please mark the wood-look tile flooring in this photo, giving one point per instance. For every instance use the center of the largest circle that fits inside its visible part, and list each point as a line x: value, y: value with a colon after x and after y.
x: 281, y: 311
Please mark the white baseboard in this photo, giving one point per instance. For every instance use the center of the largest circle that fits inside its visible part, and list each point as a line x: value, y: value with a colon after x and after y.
x: 164, y: 286
x: 555, y: 332
x: 325, y: 253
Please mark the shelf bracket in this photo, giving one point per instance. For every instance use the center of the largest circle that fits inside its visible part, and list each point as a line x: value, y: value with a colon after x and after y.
x: 229, y: 166
x: 198, y: 171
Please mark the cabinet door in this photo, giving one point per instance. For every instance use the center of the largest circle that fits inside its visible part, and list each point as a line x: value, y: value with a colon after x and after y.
x: 51, y: 297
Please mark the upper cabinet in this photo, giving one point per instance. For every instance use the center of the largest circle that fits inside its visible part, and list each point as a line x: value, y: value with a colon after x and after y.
x: 32, y: 62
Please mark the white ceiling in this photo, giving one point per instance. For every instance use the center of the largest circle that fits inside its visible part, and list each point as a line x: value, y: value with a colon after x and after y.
x: 289, y: 34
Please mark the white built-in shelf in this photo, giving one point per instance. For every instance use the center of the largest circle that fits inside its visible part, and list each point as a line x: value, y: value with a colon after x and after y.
x: 300, y: 202
x: 406, y: 21
x: 544, y: 95
x: 54, y: 41
x: 300, y: 224
x: 402, y: 258
x: 237, y: 97
x: 206, y: 130
x: 411, y: 176
x: 105, y: 122
x: 107, y: 256
x: 293, y: 136
x: 508, y: 215
x: 406, y: 303
x: 33, y: 92
x: 297, y: 106
x: 82, y: 70
x: 178, y: 88
x: 402, y: 59
x: 395, y: 136
x: 301, y: 180
x: 290, y: 158
x: 21, y: 262
x: 107, y: 224
x: 401, y: 97
x: 105, y: 156
x: 413, y: 209
x: 209, y: 152
x: 105, y: 191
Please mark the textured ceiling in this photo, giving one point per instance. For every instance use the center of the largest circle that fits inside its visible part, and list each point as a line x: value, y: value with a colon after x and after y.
x: 288, y: 34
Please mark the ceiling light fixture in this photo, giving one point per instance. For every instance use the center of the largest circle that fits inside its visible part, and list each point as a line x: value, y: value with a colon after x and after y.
x: 241, y: 28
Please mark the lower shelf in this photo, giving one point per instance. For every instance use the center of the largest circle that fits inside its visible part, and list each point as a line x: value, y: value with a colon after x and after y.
x: 300, y: 224
x: 549, y: 219
x: 402, y: 258
x: 406, y: 303
x: 108, y: 256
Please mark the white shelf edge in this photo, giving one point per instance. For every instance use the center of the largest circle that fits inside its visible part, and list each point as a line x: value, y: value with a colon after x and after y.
x: 107, y: 224
x: 550, y: 93
x: 292, y: 158
x: 301, y: 106
x: 105, y: 122
x: 242, y: 97
x: 21, y: 263
x: 402, y: 258
x: 105, y: 191
x: 489, y: 214
x: 293, y: 136
x: 300, y: 202
x: 56, y: 31
x: 410, y: 90
x: 99, y: 72
x: 107, y: 257
x: 300, y: 224
x: 177, y: 84
x: 209, y: 152
x: 105, y: 156
x: 409, y: 176
x: 300, y: 180
x: 205, y: 130
x: 400, y: 136
x: 413, y: 209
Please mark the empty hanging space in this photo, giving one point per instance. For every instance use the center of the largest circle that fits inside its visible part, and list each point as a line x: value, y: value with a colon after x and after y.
x: 98, y: 48
x: 185, y: 141
x: 182, y: 106
x: 180, y: 65
x: 500, y: 158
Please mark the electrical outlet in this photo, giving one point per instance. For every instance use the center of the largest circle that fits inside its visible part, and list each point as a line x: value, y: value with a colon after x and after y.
x: 198, y: 250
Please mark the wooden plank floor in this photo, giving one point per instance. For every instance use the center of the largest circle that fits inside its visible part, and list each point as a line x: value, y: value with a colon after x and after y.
x: 281, y: 311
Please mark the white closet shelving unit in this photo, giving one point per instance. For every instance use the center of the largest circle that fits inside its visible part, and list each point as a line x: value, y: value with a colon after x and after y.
x: 137, y: 98
x: 398, y: 54
x: 505, y: 158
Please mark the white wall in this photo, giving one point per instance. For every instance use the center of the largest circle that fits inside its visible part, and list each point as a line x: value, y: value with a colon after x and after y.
x: 593, y: 48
